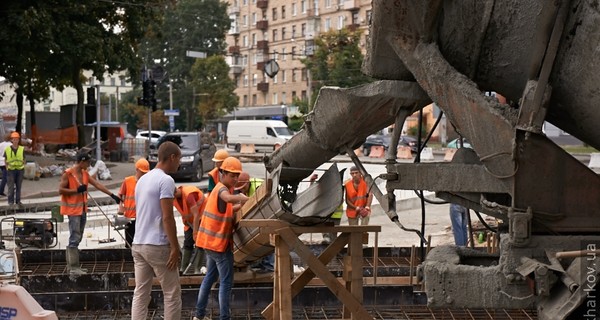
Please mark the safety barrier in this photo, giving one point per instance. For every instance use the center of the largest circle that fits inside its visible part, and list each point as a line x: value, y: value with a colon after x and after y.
x: 427, y: 154
x: 594, y: 161
x: 449, y: 154
x: 404, y: 153
x: 247, y: 148
x: 377, y: 152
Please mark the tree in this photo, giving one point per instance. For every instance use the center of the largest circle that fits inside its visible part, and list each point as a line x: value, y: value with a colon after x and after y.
x: 336, y: 62
x: 58, y: 39
x: 210, y: 78
x: 189, y: 25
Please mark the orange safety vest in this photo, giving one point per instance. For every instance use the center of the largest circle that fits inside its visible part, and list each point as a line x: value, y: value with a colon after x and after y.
x: 74, y: 204
x: 214, y: 174
x: 357, y: 197
x: 216, y: 228
x: 129, y: 202
x: 182, y: 205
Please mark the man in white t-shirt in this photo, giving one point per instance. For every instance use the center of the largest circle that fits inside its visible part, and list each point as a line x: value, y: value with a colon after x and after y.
x: 3, y: 145
x: 155, y: 247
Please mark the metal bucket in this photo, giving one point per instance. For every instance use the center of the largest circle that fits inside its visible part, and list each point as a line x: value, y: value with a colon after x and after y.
x: 310, y: 207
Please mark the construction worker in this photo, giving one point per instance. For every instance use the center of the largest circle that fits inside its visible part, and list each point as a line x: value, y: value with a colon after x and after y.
x: 3, y: 145
x: 14, y: 156
x: 213, y: 175
x: 358, y: 198
x: 127, y: 195
x: 215, y: 235
x: 248, y: 186
x: 190, y: 203
x: 73, y: 203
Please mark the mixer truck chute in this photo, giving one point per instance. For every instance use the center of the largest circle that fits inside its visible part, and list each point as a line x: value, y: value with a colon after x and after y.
x: 542, y: 56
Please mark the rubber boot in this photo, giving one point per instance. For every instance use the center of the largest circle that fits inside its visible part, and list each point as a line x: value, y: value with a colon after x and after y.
x: 185, y: 259
x: 198, y: 262
x: 73, y: 261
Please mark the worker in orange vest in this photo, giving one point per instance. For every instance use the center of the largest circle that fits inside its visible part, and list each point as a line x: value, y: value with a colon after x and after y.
x: 127, y: 195
x: 215, y: 235
x: 190, y: 203
x: 213, y: 175
x: 358, y: 198
x: 73, y: 203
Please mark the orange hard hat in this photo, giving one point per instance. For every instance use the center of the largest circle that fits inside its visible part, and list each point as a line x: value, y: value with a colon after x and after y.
x: 14, y: 134
x: 243, y: 179
x: 231, y: 164
x: 220, y: 155
x: 142, y: 165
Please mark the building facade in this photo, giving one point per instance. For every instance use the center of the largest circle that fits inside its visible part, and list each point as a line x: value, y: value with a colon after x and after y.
x: 283, y: 31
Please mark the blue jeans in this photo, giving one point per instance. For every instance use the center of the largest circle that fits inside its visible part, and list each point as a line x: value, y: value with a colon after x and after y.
x: 76, y: 227
x: 458, y: 217
x: 4, y: 178
x: 15, y: 180
x: 218, y: 265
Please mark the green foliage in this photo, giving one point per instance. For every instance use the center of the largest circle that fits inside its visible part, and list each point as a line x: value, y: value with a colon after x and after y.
x: 295, y: 123
x: 210, y: 78
x: 413, y: 131
x: 337, y: 61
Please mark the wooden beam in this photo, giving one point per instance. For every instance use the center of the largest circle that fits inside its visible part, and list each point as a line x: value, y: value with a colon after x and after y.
x: 282, y: 289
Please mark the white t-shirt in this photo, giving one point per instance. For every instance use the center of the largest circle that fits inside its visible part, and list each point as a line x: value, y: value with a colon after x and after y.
x: 3, y: 146
x: 149, y: 190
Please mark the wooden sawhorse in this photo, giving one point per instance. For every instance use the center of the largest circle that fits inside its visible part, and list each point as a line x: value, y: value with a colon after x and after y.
x: 284, y: 237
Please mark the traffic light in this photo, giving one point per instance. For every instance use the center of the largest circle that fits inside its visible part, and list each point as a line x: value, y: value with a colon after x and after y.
x: 145, y: 92
x: 91, y: 96
x: 152, y: 102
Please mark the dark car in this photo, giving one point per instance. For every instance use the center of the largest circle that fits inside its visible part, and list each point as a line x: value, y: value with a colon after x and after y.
x: 197, y: 151
x: 385, y: 140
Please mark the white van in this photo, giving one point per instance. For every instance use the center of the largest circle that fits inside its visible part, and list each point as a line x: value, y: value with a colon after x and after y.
x: 263, y: 134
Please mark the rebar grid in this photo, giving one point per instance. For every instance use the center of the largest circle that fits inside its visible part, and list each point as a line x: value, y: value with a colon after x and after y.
x: 92, y: 267
x: 331, y: 313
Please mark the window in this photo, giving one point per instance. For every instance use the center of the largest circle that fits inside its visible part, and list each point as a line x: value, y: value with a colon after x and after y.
x: 282, y: 12
x: 293, y: 95
x: 245, y: 2
x: 254, y: 79
x: 254, y: 58
x: 294, y: 9
x: 245, y: 100
x: 254, y: 100
x: 254, y: 39
x: 327, y: 3
x: 303, y: 6
x: 274, y: 99
x: 304, y: 77
x: 355, y: 17
x: 303, y: 29
x: 283, y: 97
x: 303, y: 95
x: 275, y: 78
x: 245, y: 80
x: 283, y: 55
x: 245, y: 41
x: 270, y: 131
x: 254, y: 18
x: 294, y: 32
x: 340, y: 25
x: 327, y: 24
x: 274, y: 14
x: 369, y: 17
x: 293, y: 79
x: 293, y: 52
x: 123, y: 82
x: 245, y: 20
x: 283, y: 78
x: 283, y: 30
x: 274, y: 34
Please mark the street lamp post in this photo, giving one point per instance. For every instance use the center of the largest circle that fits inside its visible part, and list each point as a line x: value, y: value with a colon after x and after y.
x: 283, y: 111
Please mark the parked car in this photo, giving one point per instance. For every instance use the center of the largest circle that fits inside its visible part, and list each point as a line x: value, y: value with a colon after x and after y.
x: 455, y: 145
x: 143, y: 134
x: 385, y: 140
x: 197, y: 151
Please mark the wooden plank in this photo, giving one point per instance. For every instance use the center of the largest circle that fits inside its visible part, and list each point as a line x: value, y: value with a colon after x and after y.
x: 283, y: 268
x: 356, y: 274
x: 261, y: 193
x: 305, y: 277
x: 354, y: 305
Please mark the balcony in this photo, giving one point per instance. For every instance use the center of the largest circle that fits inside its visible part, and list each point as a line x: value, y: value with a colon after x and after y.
x: 233, y: 10
x: 260, y: 66
x: 234, y: 49
x: 353, y: 27
x: 263, y: 86
x: 234, y: 30
x: 351, y: 5
x: 263, y: 45
x: 262, y: 4
x: 236, y: 69
x: 262, y: 24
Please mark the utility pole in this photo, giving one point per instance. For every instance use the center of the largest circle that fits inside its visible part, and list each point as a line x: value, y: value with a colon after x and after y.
x: 98, y: 136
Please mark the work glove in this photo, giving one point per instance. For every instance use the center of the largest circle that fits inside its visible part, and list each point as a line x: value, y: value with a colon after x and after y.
x: 116, y: 198
x: 82, y: 188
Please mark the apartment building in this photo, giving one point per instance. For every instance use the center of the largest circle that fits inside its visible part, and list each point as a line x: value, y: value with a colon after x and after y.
x: 283, y: 31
